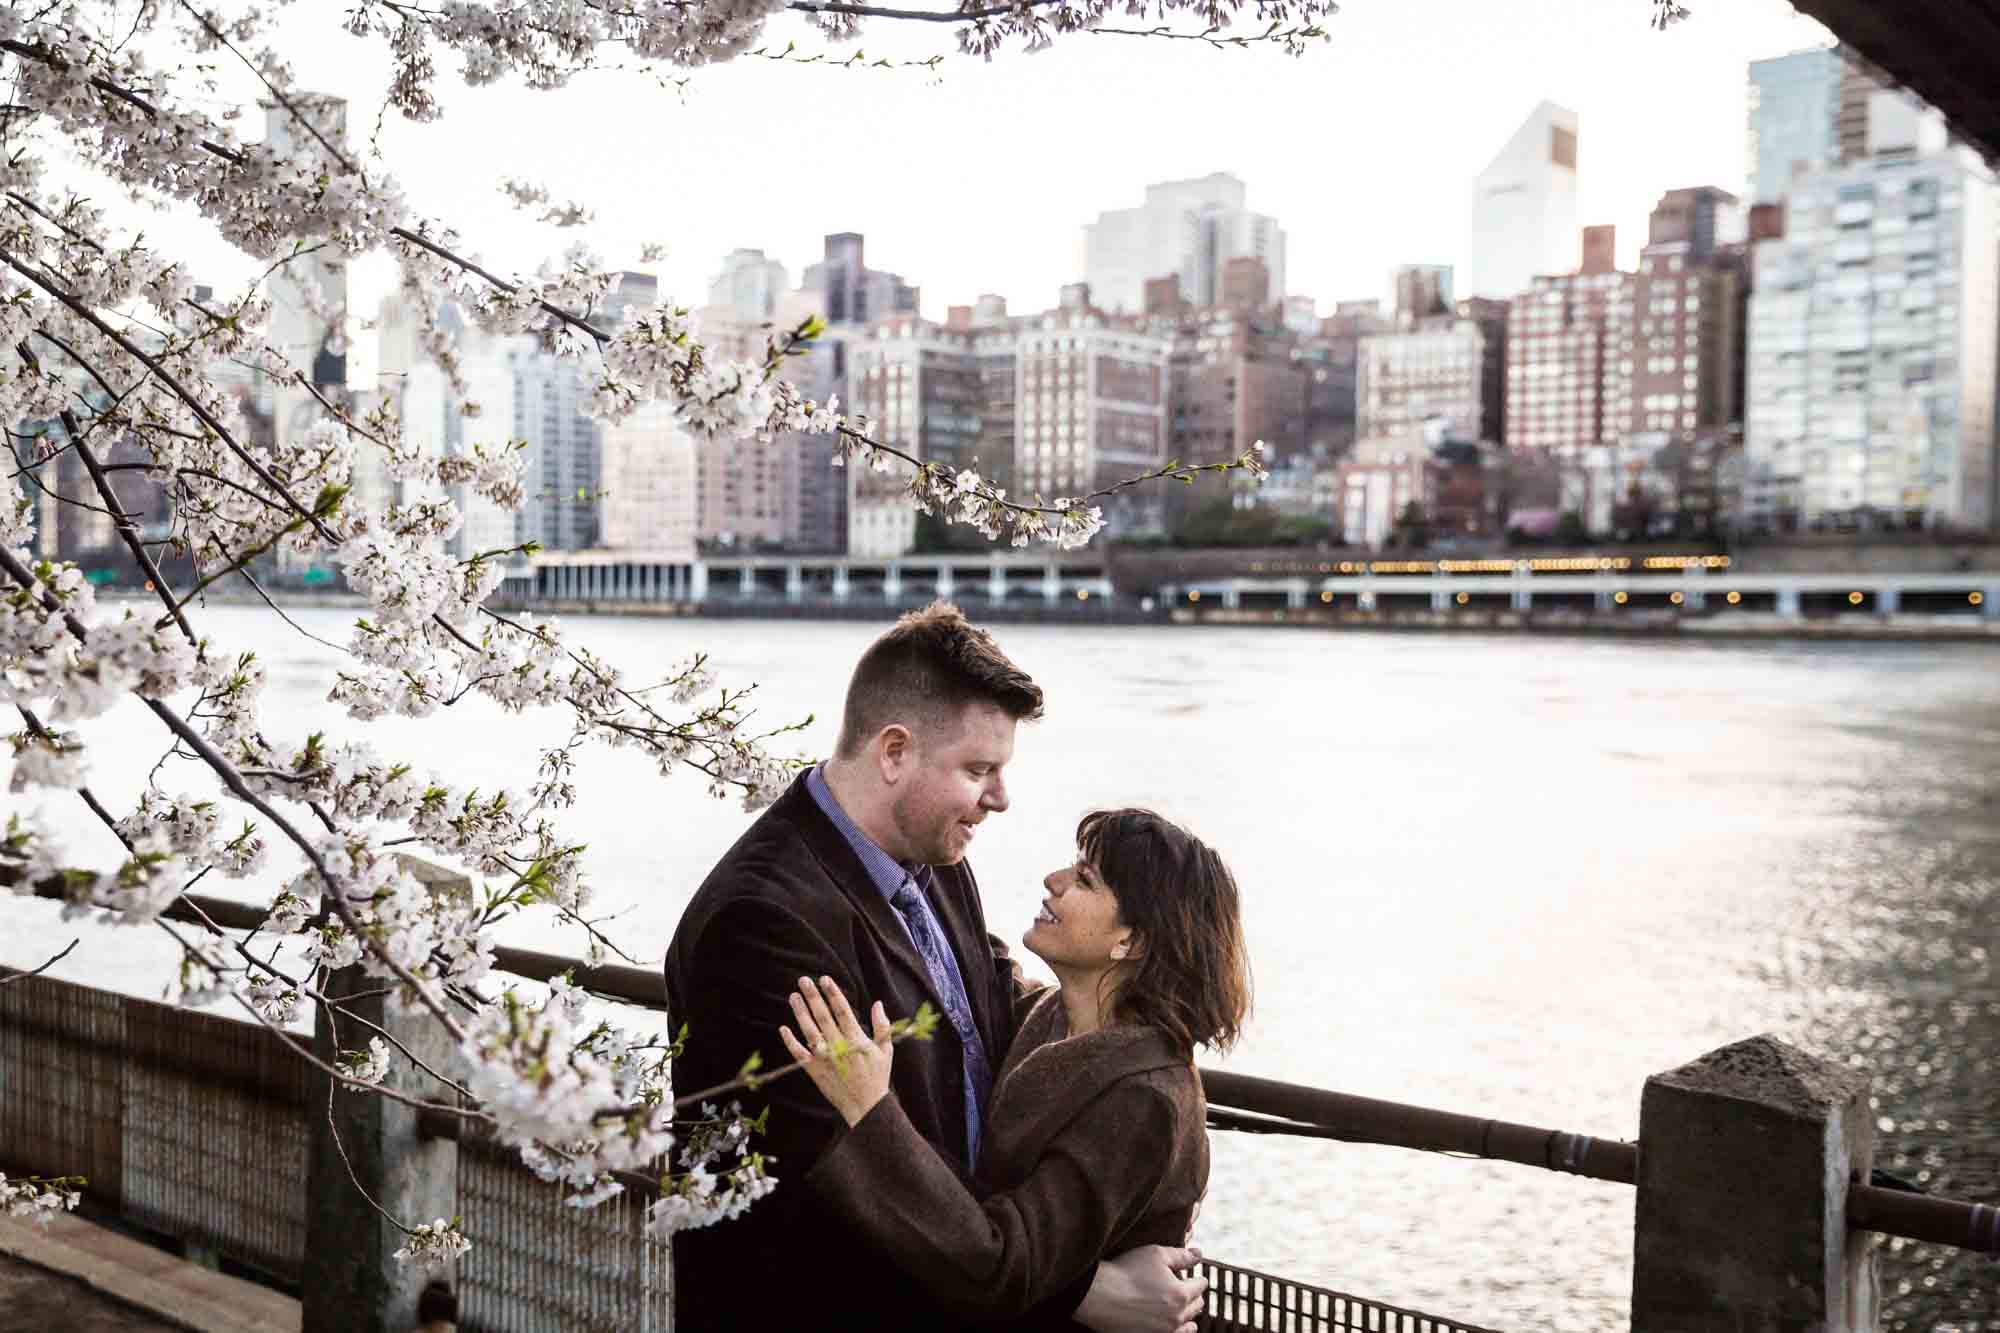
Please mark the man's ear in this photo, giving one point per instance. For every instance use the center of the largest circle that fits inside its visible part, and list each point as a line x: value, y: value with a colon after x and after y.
x: 895, y: 750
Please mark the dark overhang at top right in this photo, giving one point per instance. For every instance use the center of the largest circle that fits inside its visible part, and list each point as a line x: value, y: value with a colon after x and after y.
x: 1945, y: 51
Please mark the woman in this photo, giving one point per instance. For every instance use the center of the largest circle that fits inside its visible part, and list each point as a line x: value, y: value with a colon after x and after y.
x: 1094, y: 1137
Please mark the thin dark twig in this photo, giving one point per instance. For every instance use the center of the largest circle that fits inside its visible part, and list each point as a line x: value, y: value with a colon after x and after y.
x: 244, y: 573
x: 129, y: 534
x: 19, y: 976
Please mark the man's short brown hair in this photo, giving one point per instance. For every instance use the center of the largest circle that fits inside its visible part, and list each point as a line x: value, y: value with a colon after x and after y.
x: 924, y: 671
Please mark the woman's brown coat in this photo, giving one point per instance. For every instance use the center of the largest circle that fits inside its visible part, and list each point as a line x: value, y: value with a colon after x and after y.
x: 1094, y: 1144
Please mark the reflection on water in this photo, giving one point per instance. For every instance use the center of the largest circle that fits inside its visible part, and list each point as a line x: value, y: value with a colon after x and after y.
x: 1505, y: 876
x: 1895, y: 965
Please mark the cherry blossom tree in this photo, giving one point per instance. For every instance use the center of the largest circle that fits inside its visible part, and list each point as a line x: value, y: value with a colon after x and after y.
x: 106, y: 346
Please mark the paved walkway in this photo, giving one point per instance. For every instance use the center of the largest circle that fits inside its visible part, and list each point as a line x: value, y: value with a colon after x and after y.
x: 76, y: 1277
x: 34, y: 1300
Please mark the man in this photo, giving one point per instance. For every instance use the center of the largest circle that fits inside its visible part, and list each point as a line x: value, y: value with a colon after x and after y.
x: 858, y: 873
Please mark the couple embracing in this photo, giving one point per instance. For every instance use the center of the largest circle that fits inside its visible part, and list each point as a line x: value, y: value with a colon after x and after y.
x: 1036, y: 1164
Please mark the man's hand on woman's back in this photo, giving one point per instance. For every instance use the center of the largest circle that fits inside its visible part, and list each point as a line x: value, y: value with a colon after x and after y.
x: 1144, y: 1291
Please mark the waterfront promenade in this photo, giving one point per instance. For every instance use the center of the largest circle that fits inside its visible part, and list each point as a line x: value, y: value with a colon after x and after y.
x: 1903, y: 592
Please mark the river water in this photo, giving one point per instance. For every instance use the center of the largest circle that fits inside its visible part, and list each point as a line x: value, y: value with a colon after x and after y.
x: 1507, y: 876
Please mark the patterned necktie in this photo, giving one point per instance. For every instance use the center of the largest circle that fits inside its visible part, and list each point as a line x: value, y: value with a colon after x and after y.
x: 909, y: 903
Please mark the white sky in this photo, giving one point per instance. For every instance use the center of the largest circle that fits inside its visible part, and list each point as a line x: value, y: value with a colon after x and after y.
x: 1364, y: 149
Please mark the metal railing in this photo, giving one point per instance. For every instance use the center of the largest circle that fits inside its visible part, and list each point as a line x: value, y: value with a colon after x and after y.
x: 195, y: 1126
x: 1240, y: 1299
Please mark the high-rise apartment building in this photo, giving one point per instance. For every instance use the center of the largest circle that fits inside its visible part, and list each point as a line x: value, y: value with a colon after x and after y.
x: 996, y: 349
x: 1701, y: 221
x: 1189, y: 228
x: 921, y: 385
x: 648, y: 477
x: 749, y: 286
x: 1524, y: 207
x: 842, y: 290
x: 1091, y: 409
x: 747, y: 492
x: 1600, y: 357
x: 560, y: 467
x: 1687, y: 348
x: 1246, y: 284
x: 1875, y: 340
x: 1808, y: 113
x: 1569, y: 366
x: 1234, y: 381
x: 441, y: 422
x: 309, y: 293
x: 1330, y: 360
x: 1445, y: 377
x: 1422, y: 291
x: 847, y: 291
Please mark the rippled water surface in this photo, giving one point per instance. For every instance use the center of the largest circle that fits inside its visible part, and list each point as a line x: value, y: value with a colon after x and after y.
x: 1503, y: 876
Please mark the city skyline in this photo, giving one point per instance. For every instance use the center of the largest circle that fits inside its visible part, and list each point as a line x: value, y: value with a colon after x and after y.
x: 761, y: 154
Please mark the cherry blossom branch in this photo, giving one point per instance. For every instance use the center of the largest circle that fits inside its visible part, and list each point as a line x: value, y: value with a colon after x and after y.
x: 194, y: 403
x: 918, y: 15
x: 41, y: 730
x: 123, y: 526
x: 233, y: 781
x: 920, y: 1026
x: 278, y: 94
x: 1287, y: 37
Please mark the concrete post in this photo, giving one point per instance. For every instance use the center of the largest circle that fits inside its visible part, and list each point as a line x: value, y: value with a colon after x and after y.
x: 795, y: 582
x: 746, y: 582
x: 1788, y: 603
x: 1295, y: 594
x: 1888, y: 600
x: 1990, y: 603
x: 996, y: 584
x: 1440, y: 599
x: 1523, y: 597
x: 892, y: 582
x: 349, y: 1283
x: 1745, y: 1160
x: 840, y: 583
x: 1232, y: 595
x: 944, y: 581
x: 1697, y: 596
x: 1051, y: 584
x: 697, y: 582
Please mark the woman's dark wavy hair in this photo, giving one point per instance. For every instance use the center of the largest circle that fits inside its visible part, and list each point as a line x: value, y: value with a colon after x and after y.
x: 1192, y: 978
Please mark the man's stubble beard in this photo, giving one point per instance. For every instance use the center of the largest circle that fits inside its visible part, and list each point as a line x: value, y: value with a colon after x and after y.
x: 927, y: 844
